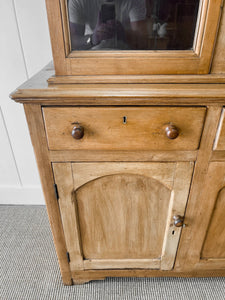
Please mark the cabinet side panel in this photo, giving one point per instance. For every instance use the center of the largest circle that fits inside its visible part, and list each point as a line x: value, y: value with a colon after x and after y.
x: 38, y: 138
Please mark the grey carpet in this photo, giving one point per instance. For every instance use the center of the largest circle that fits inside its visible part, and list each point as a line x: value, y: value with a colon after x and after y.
x: 29, y: 268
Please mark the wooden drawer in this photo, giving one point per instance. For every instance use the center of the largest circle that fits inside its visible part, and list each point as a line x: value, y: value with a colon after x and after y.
x: 124, y: 128
x: 220, y: 138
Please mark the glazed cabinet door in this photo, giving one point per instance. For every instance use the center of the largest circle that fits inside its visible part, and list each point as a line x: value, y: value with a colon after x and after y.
x: 122, y: 215
x: 213, y: 248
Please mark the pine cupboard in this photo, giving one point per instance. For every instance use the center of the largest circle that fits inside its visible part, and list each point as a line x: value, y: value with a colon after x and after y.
x: 132, y: 155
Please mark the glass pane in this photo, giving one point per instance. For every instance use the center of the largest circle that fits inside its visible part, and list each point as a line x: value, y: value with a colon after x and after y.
x: 132, y: 24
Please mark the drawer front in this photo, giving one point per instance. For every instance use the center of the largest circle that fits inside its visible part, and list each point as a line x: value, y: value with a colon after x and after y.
x: 125, y: 128
x: 220, y: 139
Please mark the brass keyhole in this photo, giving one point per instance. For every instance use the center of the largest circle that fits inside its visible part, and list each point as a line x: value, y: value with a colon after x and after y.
x: 124, y: 120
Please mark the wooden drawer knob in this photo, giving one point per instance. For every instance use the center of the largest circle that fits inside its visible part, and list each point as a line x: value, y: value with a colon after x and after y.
x: 178, y: 221
x: 78, y: 131
x: 172, y: 132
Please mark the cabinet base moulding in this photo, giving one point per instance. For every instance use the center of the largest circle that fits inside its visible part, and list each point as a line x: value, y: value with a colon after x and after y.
x: 80, y: 277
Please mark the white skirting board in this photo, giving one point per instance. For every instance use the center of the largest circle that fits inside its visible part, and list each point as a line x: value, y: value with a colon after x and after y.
x: 21, y: 195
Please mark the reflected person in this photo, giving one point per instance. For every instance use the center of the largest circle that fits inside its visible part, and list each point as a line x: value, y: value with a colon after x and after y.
x: 102, y: 24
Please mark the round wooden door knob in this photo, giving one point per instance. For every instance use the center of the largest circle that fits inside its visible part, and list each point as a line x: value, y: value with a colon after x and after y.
x: 178, y: 221
x: 78, y: 131
x: 172, y: 132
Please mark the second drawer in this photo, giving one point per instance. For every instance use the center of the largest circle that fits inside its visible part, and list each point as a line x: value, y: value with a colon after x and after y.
x: 124, y: 128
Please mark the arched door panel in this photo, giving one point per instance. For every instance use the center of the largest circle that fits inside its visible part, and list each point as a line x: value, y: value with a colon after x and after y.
x: 120, y: 215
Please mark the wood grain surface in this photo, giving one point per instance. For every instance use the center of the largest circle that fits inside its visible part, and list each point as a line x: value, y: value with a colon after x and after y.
x: 85, y: 172
x: 87, y: 275
x: 214, y: 246
x: 207, y: 78
x: 110, y: 199
x: 104, y: 128
x: 122, y: 94
x: 123, y: 217
x: 107, y: 155
x: 198, y: 208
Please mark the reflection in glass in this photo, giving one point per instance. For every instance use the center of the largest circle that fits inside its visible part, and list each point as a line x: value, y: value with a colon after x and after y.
x: 132, y: 24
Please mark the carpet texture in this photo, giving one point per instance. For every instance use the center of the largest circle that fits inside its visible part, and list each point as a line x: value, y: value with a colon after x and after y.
x: 29, y: 268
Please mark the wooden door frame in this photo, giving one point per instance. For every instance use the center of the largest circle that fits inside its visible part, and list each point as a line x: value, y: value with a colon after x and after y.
x: 197, y: 212
x: 197, y: 61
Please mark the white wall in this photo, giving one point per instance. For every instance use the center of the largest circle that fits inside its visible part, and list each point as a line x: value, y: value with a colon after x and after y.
x: 24, y: 50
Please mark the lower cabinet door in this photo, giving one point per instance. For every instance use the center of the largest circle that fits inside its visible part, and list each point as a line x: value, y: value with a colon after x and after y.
x: 122, y: 215
x: 212, y: 254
